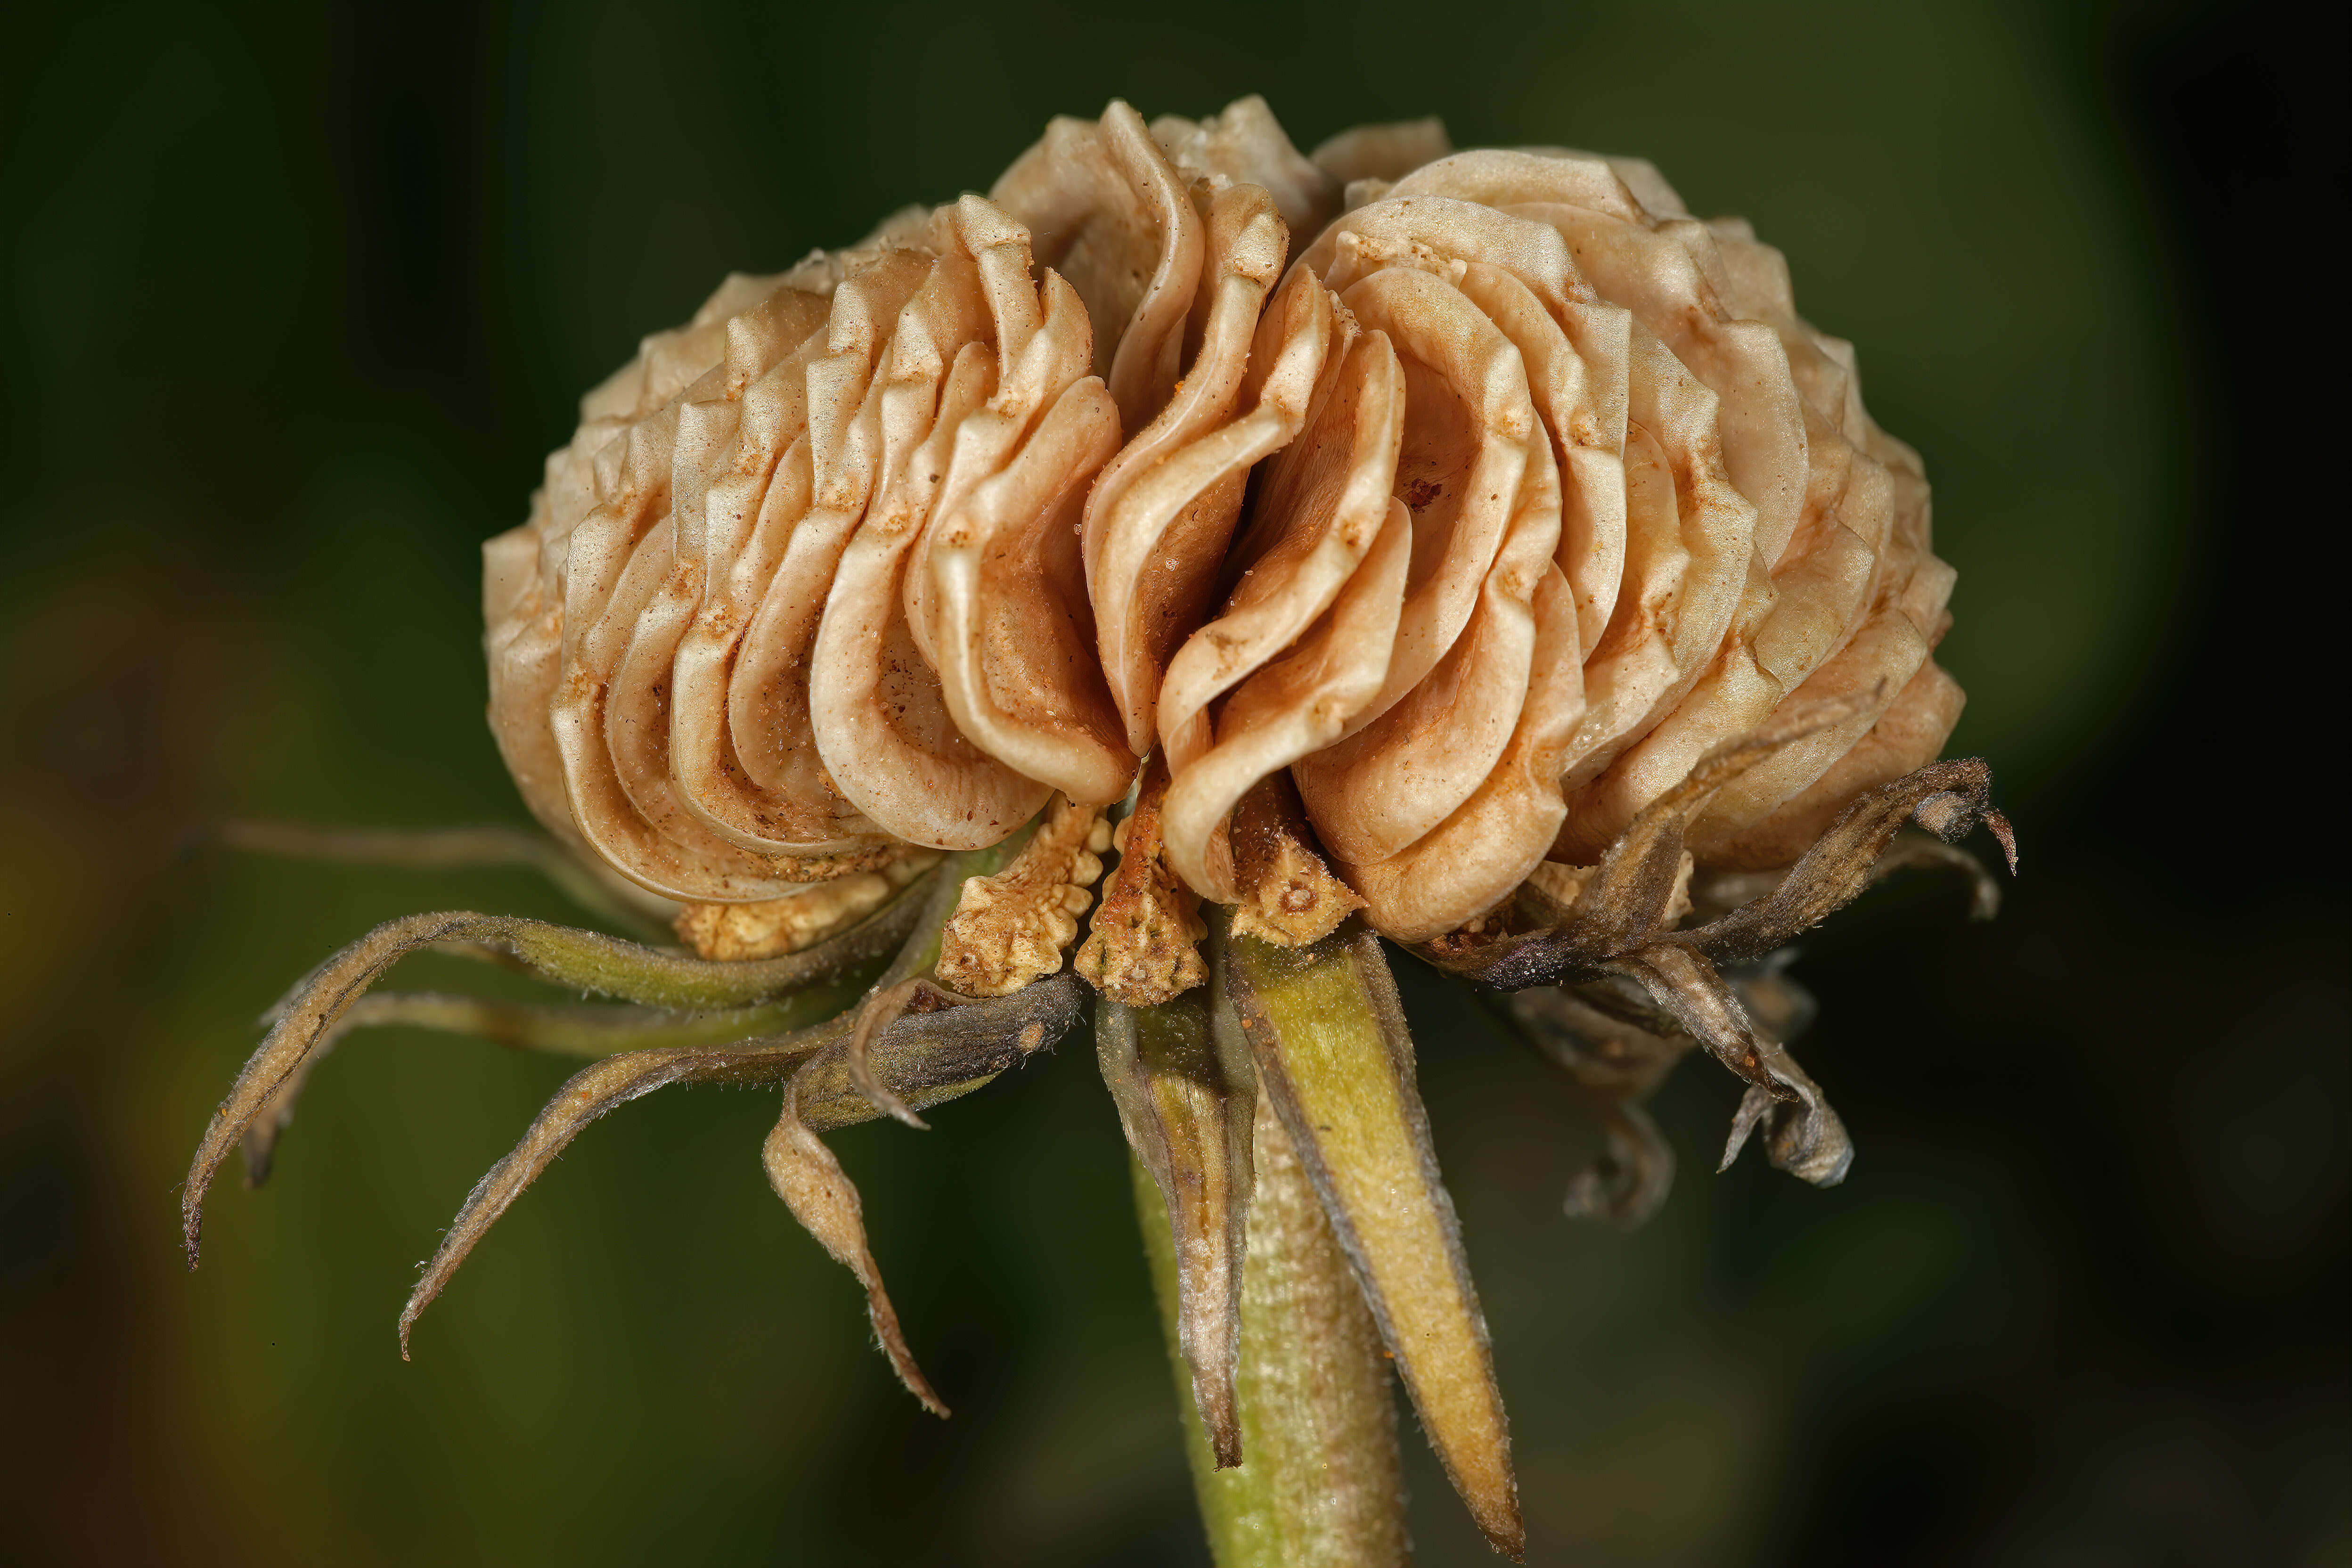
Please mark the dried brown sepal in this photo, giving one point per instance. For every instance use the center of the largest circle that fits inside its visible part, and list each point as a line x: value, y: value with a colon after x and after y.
x: 1552, y: 890
x: 732, y: 933
x: 1011, y: 927
x: 1144, y: 948
x: 1948, y: 797
x: 1701, y: 1003
x: 589, y: 1030
x: 1917, y: 851
x: 1336, y: 1062
x: 878, y: 1013
x: 1632, y: 894
x: 926, y: 1059
x: 1618, y: 1065
x: 586, y: 960
x: 824, y: 1200
x: 1290, y: 897
x: 1805, y: 1137
x: 1647, y: 868
x: 1186, y: 1089
x: 1626, y: 904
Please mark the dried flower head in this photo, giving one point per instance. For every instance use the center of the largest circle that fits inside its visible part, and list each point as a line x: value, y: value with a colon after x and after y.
x: 1475, y: 541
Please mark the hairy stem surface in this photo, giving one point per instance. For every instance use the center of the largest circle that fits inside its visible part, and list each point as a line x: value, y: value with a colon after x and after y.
x: 1318, y: 1485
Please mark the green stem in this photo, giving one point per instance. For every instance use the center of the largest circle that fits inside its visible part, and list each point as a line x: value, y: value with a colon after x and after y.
x: 1318, y: 1485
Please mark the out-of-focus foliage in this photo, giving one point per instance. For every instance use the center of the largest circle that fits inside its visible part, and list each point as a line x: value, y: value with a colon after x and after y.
x: 295, y: 299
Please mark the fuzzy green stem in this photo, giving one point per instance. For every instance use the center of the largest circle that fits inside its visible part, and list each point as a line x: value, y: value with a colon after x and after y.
x: 1319, y: 1484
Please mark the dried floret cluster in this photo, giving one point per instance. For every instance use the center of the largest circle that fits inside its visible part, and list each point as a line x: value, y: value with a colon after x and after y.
x: 1122, y: 581
x: 1475, y: 496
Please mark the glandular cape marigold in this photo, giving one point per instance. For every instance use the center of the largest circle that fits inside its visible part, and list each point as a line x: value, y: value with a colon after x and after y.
x: 1476, y: 541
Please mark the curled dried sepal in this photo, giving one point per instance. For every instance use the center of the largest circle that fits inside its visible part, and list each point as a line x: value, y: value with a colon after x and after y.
x: 1143, y: 949
x: 824, y: 1200
x: 1806, y: 1138
x: 1336, y: 1062
x: 926, y: 1059
x: 592, y: 1029
x: 1917, y: 851
x: 1186, y: 1089
x: 1947, y: 798
x: 1637, y: 891
x: 584, y: 960
x: 1622, y: 908
x: 1618, y: 1065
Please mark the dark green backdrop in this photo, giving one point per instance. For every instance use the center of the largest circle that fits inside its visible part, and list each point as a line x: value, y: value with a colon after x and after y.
x: 294, y: 299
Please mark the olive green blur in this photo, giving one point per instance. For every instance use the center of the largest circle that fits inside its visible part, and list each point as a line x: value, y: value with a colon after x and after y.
x: 294, y: 299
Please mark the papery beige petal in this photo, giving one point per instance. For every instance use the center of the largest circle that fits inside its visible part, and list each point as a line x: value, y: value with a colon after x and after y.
x: 1441, y: 236
x: 1304, y: 644
x: 1014, y: 655
x: 1245, y: 145
x: 1655, y: 276
x: 1387, y: 152
x: 914, y: 633
x: 1877, y: 664
x: 852, y: 422
x: 1469, y: 425
x: 1579, y: 389
x: 1383, y: 789
x: 1582, y: 392
x: 611, y: 605
x: 1319, y: 504
x: 1908, y: 735
x: 752, y: 513
x: 1470, y: 862
x: 1106, y: 210
x: 1159, y: 518
x: 607, y: 611
x: 1288, y: 708
x: 640, y: 699
x: 1501, y: 177
x: 1675, y: 612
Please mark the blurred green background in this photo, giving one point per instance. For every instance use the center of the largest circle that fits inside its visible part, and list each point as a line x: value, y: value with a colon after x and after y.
x: 294, y: 299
